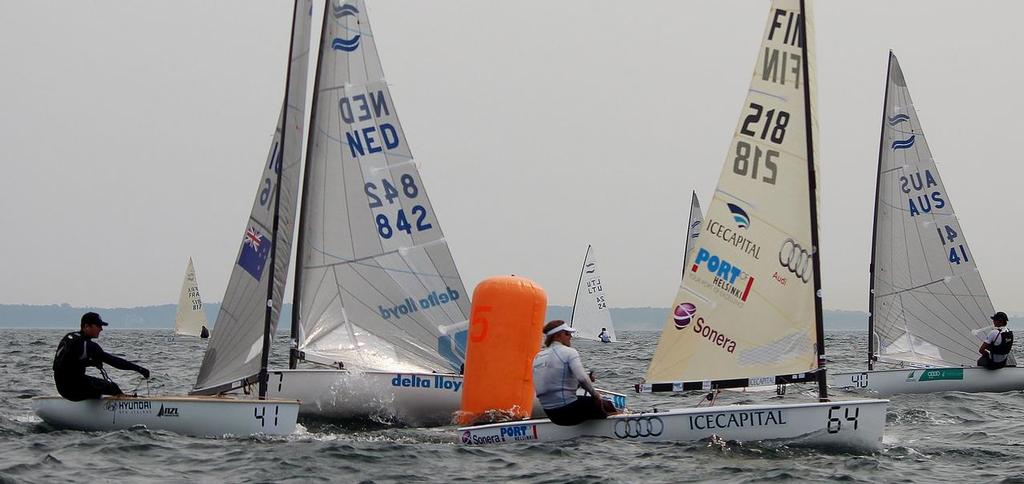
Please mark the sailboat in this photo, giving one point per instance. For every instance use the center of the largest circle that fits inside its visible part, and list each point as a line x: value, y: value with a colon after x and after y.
x: 692, y: 229
x: 380, y: 307
x: 590, y: 314
x: 236, y: 357
x: 190, y: 319
x: 741, y: 318
x: 927, y: 299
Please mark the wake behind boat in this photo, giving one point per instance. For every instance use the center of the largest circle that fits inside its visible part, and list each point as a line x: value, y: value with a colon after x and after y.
x: 927, y: 298
x: 746, y: 315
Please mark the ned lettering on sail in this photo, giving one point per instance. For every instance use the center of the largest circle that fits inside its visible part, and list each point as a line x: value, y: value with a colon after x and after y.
x: 366, y: 107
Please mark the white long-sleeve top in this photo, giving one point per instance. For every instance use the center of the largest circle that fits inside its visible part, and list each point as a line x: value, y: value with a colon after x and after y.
x: 557, y: 373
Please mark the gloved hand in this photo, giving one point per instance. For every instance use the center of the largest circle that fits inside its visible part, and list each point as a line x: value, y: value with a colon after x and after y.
x: 144, y: 372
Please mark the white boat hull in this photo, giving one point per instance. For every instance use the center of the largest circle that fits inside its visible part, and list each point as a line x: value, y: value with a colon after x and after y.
x: 414, y: 399
x: 928, y: 380
x: 195, y: 416
x: 856, y: 425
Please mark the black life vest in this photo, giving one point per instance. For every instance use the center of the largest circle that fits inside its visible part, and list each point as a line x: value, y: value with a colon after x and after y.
x: 62, y: 355
x: 1003, y: 348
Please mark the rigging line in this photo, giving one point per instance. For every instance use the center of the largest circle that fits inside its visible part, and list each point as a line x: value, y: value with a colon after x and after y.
x: 359, y: 262
x: 319, y: 316
x: 957, y: 298
x: 908, y: 289
x: 928, y: 308
x: 934, y: 329
x: 394, y: 324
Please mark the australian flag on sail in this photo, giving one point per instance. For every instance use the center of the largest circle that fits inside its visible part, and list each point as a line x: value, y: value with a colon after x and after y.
x: 255, y: 249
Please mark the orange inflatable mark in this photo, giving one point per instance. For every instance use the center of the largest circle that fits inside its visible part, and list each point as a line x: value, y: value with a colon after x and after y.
x: 504, y: 337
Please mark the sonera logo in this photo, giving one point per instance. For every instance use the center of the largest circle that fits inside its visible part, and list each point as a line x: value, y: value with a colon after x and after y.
x: 683, y: 314
x: 466, y: 437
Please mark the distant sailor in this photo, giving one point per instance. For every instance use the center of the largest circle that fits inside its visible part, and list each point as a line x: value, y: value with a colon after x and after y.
x: 996, y: 348
x: 558, y: 373
x: 604, y: 336
x: 77, y: 351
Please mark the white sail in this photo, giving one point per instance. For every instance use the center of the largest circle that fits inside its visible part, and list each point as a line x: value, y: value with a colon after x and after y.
x: 748, y: 306
x: 927, y: 294
x: 377, y: 287
x: 590, y: 313
x: 692, y: 229
x: 235, y: 350
x: 190, y: 318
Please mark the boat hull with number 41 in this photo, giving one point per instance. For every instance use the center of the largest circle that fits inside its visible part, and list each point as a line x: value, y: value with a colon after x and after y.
x: 854, y: 425
x: 196, y: 416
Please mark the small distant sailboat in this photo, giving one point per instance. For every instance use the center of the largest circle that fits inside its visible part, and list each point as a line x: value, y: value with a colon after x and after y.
x: 726, y: 331
x: 927, y: 300
x: 190, y: 319
x: 692, y: 229
x: 590, y: 314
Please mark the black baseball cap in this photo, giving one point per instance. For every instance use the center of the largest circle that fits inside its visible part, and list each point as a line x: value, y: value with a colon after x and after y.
x: 1000, y: 316
x: 93, y: 318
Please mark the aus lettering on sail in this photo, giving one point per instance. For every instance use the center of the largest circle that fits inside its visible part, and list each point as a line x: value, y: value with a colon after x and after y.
x: 922, y: 195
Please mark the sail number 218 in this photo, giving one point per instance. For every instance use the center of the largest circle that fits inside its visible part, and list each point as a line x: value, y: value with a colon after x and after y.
x: 402, y: 222
x: 749, y: 157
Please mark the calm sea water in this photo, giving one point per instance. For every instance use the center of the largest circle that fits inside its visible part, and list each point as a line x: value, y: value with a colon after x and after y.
x: 929, y: 438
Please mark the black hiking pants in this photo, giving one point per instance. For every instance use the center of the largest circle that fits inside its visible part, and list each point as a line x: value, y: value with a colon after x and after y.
x: 86, y: 387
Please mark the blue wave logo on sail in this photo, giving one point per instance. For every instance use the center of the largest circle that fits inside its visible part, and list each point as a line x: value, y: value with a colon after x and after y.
x: 739, y: 215
x: 903, y: 144
x: 342, y: 44
x: 897, y: 119
x: 345, y: 10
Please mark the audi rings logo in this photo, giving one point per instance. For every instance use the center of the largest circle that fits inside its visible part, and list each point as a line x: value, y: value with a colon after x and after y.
x: 633, y: 427
x: 796, y: 259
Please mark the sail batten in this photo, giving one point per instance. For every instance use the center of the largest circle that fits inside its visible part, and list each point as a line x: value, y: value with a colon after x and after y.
x: 376, y: 286
x: 749, y: 301
x: 927, y: 296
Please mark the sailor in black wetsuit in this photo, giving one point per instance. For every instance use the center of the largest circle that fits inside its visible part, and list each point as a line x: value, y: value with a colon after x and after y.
x: 77, y: 351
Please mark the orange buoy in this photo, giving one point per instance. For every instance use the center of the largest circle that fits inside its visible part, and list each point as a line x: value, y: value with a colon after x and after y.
x: 504, y: 336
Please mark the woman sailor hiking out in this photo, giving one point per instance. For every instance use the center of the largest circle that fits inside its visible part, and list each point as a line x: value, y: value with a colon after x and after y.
x: 558, y: 373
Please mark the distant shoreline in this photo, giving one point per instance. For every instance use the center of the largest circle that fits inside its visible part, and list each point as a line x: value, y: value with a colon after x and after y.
x: 24, y: 316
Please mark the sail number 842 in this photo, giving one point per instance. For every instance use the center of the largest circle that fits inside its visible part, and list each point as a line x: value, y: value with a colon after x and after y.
x: 391, y: 193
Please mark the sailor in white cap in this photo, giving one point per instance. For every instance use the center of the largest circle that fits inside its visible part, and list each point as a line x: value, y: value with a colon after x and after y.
x: 558, y: 373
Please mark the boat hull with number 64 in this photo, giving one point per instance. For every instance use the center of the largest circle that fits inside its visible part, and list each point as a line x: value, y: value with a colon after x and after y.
x: 853, y: 425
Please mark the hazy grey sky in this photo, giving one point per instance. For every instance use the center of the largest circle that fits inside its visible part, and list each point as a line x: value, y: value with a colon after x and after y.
x: 134, y: 133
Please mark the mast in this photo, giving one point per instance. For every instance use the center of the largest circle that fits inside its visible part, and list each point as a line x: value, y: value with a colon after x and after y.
x: 874, y: 223
x: 812, y: 199
x: 268, y: 320
x: 578, y: 284
x: 293, y: 353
